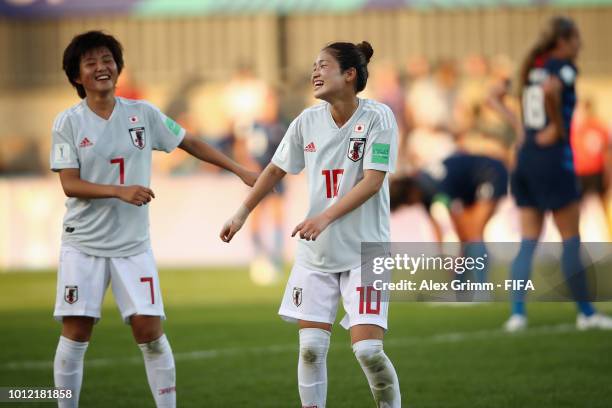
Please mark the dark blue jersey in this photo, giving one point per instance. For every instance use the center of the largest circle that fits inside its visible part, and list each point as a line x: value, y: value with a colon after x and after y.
x: 544, y: 176
x: 534, y: 111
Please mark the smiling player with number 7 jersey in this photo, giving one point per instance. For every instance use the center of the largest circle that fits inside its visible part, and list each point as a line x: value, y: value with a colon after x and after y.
x: 102, y: 151
x: 347, y: 146
x: 116, y: 151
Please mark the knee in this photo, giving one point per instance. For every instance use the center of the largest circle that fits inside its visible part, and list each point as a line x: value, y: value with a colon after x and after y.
x: 155, y: 347
x: 370, y: 356
x: 145, y: 328
x: 146, y: 334
x: 77, y: 328
x: 310, y: 354
x: 376, y: 365
x: 314, y: 344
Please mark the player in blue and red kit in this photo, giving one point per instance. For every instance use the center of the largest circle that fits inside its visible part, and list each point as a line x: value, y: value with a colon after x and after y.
x: 544, y: 179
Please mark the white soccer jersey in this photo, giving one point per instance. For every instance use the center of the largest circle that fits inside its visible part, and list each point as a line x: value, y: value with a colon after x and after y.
x: 116, y: 151
x: 335, y: 159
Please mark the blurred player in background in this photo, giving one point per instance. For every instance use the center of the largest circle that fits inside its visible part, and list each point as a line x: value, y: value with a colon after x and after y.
x: 592, y: 150
x: 348, y: 146
x: 467, y: 182
x: 544, y: 178
x: 102, y: 149
x: 469, y: 186
x: 256, y: 145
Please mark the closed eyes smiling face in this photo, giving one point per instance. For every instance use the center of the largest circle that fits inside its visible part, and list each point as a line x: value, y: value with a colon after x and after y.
x: 326, y: 78
x: 98, y: 71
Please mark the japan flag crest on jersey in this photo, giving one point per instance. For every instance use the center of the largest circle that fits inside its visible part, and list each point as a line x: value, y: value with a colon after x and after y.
x: 297, y: 296
x: 138, y: 137
x: 71, y: 294
x: 356, y: 148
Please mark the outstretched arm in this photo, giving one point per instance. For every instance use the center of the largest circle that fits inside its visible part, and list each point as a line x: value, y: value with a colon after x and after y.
x: 311, y: 228
x: 74, y: 186
x: 203, y: 151
x: 271, y: 175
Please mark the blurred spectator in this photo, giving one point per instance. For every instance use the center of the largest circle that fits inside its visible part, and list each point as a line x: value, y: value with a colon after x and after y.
x: 127, y: 87
x: 178, y: 108
x: 386, y: 87
x: 245, y: 97
x: 20, y: 155
x: 254, y: 148
x: 592, y: 150
x: 295, y: 95
x: 199, y: 107
x: 494, y: 123
x: 429, y: 110
x: 472, y: 90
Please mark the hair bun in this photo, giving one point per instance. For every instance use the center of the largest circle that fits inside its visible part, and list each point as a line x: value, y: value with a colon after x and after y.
x: 366, y: 49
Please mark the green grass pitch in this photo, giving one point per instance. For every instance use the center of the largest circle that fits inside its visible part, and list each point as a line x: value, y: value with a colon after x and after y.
x: 232, y: 350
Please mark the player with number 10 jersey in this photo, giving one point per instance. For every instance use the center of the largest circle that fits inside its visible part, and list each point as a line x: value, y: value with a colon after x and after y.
x: 335, y: 159
x: 347, y: 146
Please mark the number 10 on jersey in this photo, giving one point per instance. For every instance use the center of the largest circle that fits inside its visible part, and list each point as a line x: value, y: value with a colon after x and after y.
x: 332, y: 181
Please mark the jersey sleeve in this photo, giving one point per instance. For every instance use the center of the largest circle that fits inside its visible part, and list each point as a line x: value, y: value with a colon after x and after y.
x: 165, y: 134
x: 289, y: 155
x: 381, y: 144
x: 564, y: 70
x: 63, y: 150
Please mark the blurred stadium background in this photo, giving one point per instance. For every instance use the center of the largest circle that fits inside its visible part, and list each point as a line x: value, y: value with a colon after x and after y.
x: 217, y: 67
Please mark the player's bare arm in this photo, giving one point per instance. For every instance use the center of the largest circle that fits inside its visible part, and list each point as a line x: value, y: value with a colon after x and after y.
x: 554, y: 131
x: 203, y: 151
x: 268, y: 178
x: 311, y: 228
x: 74, y: 186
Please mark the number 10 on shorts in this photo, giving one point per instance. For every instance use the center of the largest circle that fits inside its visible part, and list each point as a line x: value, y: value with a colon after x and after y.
x: 366, y: 293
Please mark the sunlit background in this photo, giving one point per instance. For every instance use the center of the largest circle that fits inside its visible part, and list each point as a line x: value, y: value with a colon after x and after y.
x: 218, y: 67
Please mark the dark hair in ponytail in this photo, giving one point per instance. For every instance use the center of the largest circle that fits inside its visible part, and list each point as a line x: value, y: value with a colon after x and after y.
x: 356, y: 56
x: 557, y: 28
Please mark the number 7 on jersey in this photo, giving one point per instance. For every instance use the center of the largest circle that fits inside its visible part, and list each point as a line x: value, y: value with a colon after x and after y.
x: 121, y: 163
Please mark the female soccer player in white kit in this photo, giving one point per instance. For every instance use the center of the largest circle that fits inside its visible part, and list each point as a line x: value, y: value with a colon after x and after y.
x: 347, y: 146
x: 102, y: 150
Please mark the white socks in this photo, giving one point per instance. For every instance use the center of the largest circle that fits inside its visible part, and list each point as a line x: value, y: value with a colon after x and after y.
x: 68, y: 369
x: 379, y: 372
x: 312, y: 367
x: 159, y: 363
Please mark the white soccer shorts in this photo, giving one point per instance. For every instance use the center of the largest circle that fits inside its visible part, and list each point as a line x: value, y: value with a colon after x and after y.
x: 82, y: 281
x: 313, y: 296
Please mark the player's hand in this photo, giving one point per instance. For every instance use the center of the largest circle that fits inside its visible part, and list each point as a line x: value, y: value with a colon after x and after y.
x: 547, y: 136
x: 137, y: 195
x: 311, y: 228
x: 249, y: 177
x: 233, y: 225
